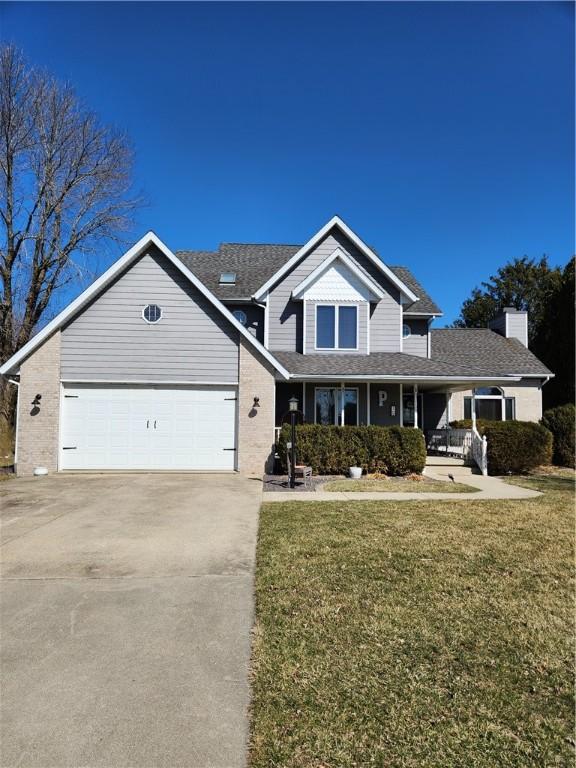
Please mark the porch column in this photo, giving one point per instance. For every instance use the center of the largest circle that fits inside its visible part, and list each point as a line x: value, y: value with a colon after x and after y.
x: 415, y: 406
x: 473, y: 410
x: 448, y: 396
x: 367, y: 403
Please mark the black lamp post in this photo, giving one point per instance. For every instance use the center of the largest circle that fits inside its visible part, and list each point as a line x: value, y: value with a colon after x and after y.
x: 293, y: 408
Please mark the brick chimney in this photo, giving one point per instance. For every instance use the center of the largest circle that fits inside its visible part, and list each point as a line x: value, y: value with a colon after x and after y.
x: 511, y: 323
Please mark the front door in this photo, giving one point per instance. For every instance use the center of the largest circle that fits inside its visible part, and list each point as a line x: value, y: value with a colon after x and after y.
x: 408, y: 415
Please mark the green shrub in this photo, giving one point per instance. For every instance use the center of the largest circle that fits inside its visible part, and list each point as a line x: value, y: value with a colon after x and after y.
x: 515, y: 447
x: 332, y: 450
x: 467, y: 424
x: 560, y: 421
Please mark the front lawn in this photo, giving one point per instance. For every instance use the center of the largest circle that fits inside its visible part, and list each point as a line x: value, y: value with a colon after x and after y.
x: 421, y: 633
x: 411, y: 484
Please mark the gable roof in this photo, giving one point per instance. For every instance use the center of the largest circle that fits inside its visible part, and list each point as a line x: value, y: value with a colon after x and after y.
x: 338, y: 255
x: 486, y: 349
x: 100, y: 284
x: 337, y: 222
x: 255, y: 263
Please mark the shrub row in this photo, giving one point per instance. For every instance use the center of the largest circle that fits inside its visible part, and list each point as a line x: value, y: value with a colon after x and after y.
x: 560, y: 421
x: 513, y: 446
x: 332, y: 450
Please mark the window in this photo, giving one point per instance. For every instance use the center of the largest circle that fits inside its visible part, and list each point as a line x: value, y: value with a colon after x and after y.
x: 337, y: 406
x: 227, y: 278
x: 240, y: 315
x: 152, y: 313
x: 406, y: 331
x: 336, y: 326
x: 491, y: 405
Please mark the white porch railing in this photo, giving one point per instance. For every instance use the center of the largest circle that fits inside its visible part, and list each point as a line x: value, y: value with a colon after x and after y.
x: 480, y: 450
x: 466, y: 444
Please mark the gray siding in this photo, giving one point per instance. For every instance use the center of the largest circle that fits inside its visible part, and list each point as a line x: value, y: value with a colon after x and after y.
x: 362, y: 349
x: 110, y: 340
x: 380, y: 414
x: 285, y: 315
x: 517, y: 326
x: 417, y: 342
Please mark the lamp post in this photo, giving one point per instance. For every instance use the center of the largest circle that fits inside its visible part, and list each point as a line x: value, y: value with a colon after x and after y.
x: 293, y: 408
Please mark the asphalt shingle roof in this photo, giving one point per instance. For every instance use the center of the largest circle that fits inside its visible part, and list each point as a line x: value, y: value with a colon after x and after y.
x: 374, y: 364
x: 473, y: 347
x: 255, y: 263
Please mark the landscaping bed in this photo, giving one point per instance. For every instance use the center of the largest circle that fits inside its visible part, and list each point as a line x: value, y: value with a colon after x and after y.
x: 412, y: 634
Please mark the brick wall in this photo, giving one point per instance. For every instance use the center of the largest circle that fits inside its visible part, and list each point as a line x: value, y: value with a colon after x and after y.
x: 38, y: 425
x: 528, y: 401
x: 255, y: 425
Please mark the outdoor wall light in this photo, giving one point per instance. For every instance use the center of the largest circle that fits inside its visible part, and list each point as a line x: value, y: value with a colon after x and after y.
x: 293, y: 404
x: 392, y: 410
x: 36, y: 400
x: 256, y: 402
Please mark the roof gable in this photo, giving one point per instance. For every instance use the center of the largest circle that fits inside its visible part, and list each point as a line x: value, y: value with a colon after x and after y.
x: 336, y: 222
x: 335, y: 275
x: 102, y: 282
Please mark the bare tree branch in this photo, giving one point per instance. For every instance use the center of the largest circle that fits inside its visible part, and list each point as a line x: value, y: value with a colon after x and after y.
x: 65, y: 186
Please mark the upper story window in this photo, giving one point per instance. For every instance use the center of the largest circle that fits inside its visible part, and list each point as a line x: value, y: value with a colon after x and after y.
x: 240, y: 315
x: 227, y: 278
x: 406, y: 331
x: 336, y: 326
x: 152, y: 313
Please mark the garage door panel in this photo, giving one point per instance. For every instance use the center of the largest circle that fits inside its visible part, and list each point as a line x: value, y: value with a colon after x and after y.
x: 160, y: 427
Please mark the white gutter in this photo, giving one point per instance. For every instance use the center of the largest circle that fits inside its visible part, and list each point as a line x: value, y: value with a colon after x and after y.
x: 376, y: 377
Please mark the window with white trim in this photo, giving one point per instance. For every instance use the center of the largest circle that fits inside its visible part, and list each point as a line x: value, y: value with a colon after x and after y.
x: 336, y: 326
x: 491, y: 405
x: 406, y: 331
x: 336, y: 406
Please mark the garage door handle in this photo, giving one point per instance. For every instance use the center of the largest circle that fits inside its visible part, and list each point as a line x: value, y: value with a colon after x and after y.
x: 147, y: 423
x: 154, y: 423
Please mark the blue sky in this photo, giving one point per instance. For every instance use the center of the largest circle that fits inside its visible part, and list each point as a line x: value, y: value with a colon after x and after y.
x: 441, y: 132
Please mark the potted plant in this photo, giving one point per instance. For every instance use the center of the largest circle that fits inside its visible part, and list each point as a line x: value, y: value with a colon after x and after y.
x: 355, y: 472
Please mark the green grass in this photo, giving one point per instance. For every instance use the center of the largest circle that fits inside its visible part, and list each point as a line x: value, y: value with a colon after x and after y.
x: 6, y: 445
x: 417, y: 484
x: 410, y: 634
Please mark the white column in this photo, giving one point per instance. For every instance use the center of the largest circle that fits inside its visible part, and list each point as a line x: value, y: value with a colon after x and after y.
x: 415, y: 406
x: 342, y: 403
x: 401, y: 406
x: 473, y: 407
x: 367, y: 402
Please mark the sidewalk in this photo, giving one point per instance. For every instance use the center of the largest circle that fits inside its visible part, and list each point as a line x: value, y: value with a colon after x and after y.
x: 489, y: 488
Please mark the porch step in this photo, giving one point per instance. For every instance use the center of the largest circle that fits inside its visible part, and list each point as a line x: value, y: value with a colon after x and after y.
x: 442, y: 466
x: 444, y: 461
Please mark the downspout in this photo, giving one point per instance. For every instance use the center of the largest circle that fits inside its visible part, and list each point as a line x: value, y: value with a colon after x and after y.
x: 16, y: 384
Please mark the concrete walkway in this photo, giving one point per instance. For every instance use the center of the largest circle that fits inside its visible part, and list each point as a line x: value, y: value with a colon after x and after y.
x: 127, y: 608
x: 489, y: 488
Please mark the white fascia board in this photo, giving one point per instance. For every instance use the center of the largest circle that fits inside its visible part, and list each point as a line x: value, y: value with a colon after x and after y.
x: 150, y: 238
x: 339, y: 255
x: 336, y: 221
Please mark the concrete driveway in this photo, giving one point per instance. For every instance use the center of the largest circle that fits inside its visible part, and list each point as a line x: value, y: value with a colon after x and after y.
x: 126, y: 618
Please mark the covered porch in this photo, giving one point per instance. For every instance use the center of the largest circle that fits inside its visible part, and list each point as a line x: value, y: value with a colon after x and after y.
x: 350, y: 402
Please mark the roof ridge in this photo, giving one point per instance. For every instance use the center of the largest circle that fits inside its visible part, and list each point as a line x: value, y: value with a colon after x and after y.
x: 279, y: 245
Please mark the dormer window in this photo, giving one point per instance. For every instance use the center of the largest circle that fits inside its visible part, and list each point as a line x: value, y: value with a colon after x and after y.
x: 227, y: 278
x: 336, y: 326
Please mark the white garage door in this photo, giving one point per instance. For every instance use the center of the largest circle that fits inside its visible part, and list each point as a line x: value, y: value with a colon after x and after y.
x: 160, y: 427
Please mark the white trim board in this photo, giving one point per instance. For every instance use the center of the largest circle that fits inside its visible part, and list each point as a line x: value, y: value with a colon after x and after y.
x: 336, y: 221
x: 150, y: 238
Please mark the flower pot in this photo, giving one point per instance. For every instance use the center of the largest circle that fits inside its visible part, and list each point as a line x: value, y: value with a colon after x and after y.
x: 355, y: 472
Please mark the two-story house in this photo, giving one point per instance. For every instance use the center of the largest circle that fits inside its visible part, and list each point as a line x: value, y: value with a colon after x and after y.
x: 187, y: 360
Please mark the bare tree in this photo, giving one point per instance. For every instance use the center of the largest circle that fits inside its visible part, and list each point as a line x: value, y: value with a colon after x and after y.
x: 65, y: 184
